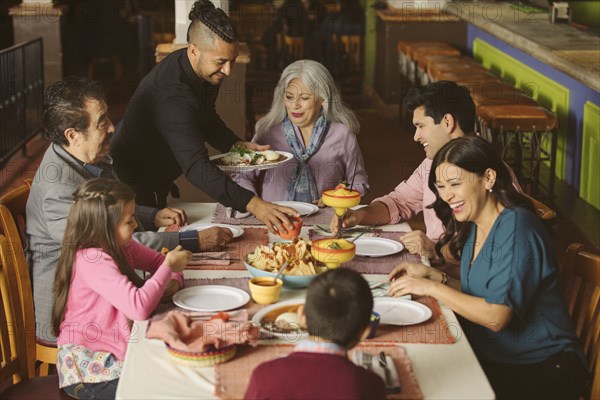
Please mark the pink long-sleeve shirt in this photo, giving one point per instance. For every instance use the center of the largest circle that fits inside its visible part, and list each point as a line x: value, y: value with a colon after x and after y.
x: 410, y: 197
x: 102, y: 300
x: 338, y: 158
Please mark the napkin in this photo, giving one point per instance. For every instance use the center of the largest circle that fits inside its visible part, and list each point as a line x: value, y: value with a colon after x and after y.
x: 198, y: 332
x: 231, y: 213
x: 382, y: 291
x: 210, y: 258
x: 386, y: 370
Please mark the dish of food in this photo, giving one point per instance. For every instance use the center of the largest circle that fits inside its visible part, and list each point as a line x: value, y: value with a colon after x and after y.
x: 377, y: 247
x: 235, y: 230
x: 243, y: 159
x: 281, y: 320
x: 296, y: 253
x: 210, y: 298
x: 395, y: 311
x: 302, y: 266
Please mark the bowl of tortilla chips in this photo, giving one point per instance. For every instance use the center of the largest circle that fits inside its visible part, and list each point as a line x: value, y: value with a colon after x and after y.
x: 302, y: 266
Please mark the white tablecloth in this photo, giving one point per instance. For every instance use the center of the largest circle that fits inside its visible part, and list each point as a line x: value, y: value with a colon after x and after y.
x: 444, y: 371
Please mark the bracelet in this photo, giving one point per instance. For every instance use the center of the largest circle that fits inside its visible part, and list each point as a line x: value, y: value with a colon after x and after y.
x: 444, y: 278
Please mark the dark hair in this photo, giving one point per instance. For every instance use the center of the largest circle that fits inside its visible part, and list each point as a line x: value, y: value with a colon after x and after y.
x: 64, y: 106
x: 204, y: 12
x: 441, y: 98
x: 93, y: 217
x: 338, y: 306
x: 473, y: 154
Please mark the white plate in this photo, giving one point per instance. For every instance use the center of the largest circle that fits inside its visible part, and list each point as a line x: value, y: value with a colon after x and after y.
x: 210, y: 298
x: 377, y: 247
x: 235, y: 230
x: 394, y: 311
x: 242, y: 168
x: 305, y: 209
x: 292, y: 336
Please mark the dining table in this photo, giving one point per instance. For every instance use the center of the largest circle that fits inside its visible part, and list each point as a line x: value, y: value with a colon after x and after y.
x: 442, y: 369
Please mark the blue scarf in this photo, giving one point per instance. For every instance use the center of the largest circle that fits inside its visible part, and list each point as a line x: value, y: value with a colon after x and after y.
x: 302, y: 186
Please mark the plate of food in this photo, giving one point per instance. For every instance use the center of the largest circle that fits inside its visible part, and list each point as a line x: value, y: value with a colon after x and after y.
x: 305, y: 209
x: 377, y: 247
x: 397, y: 311
x: 241, y: 159
x: 235, y: 230
x: 282, y: 320
x: 210, y: 298
x: 302, y: 266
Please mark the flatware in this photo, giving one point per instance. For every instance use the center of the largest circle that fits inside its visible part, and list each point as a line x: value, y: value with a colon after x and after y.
x: 367, y: 229
x: 392, y: 382
x: 285, y: 264
x: 378, y: 284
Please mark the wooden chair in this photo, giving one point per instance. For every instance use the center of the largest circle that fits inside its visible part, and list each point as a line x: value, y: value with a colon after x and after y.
x: 581, y: 279
x: 352, y: 47
x: 16, y: 378
x: 295, y: 47
x: 12, y: 225
x: 541, y: 209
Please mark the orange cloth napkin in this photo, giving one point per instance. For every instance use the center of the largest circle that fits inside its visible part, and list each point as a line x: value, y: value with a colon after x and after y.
x: 198, y: 332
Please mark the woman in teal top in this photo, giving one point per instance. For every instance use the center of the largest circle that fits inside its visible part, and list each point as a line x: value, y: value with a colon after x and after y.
x: 509, y: 296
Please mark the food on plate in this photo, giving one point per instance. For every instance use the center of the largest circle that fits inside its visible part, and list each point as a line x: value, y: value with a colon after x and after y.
x: 283, y: 320
x: 241, y: 156
x: 296, y: 253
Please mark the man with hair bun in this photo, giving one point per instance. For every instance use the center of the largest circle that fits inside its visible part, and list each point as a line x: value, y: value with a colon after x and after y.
x: 172, y: 114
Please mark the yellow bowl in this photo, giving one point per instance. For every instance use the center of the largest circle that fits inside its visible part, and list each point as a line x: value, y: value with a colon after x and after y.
x: 263, y: 291
x: 322, y: 251
x: 341, y: 199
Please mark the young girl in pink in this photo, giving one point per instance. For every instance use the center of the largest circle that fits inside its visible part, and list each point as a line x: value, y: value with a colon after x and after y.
x: 97, y: 293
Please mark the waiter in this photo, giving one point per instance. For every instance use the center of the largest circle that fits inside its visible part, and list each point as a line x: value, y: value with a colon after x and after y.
x: 172, y: 114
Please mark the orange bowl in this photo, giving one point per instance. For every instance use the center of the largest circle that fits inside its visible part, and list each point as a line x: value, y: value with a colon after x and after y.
x: 333, y: 252
x: 295, y: 231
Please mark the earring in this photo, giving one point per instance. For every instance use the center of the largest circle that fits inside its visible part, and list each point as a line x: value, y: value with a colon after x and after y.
x: 490, y: 190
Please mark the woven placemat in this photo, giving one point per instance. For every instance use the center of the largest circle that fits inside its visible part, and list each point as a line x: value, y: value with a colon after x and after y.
x: 238, y: 249
x: 232, y: 378
x: 323, y: 216
x: 433, y: 331
x: 376, y: 265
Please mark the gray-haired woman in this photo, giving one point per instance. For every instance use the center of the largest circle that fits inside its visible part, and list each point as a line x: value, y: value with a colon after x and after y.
x: 309, y: 120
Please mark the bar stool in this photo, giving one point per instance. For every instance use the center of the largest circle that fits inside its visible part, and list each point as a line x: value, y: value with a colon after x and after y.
x: 422, y: 49
x: 404, y: 60
x: 521, y: 133
x: 473, y: 76
x: 418, y: 53
x: 439, y: 71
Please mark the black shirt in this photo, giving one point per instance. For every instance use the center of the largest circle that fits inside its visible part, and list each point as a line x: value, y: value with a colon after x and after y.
x: 169, y: 118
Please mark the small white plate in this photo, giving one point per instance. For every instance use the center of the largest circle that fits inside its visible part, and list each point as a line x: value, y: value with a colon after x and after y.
x: 305, y: 209
x: 291, y: 336
x: 242, y: 168
x: 235, y: 230
x: 210, y: 298
x: 377, y: 247
x: 395, y: 311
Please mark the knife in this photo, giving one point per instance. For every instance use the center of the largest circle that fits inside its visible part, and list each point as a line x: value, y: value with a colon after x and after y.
x: 392, y: 382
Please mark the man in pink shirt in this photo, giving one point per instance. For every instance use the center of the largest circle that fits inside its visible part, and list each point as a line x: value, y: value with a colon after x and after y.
x: 442, y: 111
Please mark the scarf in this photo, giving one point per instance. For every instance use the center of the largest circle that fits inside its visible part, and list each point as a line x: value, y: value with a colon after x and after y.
x: 302, y: 185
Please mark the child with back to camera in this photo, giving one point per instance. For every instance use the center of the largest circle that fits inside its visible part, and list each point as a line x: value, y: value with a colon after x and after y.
x: 97, y: 293
x: 337, y: 314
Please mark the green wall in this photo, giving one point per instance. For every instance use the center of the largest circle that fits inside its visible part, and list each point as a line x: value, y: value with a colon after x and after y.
x: 586, y: 13
x: 545, y: 91
x: 590, y: 154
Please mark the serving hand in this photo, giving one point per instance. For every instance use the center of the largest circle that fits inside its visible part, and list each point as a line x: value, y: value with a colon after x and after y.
x: 274, y: 216
x: 253, y: 146
x: 168, y: 216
